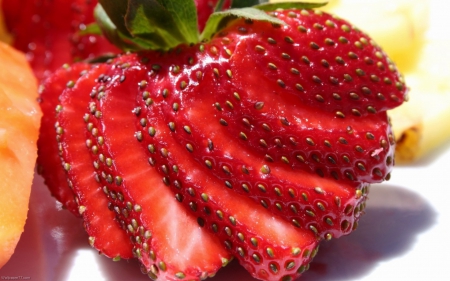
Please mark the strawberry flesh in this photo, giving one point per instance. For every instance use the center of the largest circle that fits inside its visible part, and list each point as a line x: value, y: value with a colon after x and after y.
x: 267, y: 247
x: 48, y: 161
x: 105, y: 233
x: 167, y: 240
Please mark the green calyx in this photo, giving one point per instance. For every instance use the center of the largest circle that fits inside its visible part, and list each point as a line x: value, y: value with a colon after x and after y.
x: 135, y: 25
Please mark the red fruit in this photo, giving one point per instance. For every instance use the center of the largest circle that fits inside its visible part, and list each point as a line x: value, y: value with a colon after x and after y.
x: 269, y: 136
x: 48, y: 161
x: 327, y: 211
x: 269, y: 248
x: 105, y: 232
x: 300, y: 162
x: 167, y: 240
x: 48, y: 32
x: 347, y: 152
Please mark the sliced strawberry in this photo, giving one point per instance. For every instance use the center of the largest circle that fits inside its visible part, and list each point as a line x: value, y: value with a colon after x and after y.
x: 261, y: 126
x: 166, y: 239
x: 271, y: 257
x: 267, y: 247
x: 49, y: 162
x: 324, y: 206
x: 105, y: 233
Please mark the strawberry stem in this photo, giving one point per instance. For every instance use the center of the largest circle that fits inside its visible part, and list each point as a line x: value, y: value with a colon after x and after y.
x: 219, y: 6
x: 247, y: 3
x: 135, y: 25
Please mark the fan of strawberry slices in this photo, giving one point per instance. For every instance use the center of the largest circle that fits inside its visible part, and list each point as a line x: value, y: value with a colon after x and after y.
x: 253, y: 140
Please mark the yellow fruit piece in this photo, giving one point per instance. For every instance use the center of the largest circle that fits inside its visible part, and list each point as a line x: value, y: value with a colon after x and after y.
x: 19, y: 124
x: 408, y: 142
x: 428, y: 109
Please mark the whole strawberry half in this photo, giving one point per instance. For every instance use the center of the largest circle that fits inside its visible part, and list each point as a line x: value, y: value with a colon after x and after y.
x: 257, y: 138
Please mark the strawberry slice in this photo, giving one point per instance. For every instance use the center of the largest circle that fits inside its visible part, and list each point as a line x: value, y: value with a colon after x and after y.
x: 323, y: 206
x: 331, y: 148
x: 48, y: 161
x: 318, y: 60
x: 166, y: 239
x: 105, y: 233
x: 267, y: 247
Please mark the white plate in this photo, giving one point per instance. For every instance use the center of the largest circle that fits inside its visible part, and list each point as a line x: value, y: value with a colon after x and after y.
x: 403, y: 236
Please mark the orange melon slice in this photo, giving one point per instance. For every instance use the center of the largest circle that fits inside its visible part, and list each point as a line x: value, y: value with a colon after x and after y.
x: 19, y: 126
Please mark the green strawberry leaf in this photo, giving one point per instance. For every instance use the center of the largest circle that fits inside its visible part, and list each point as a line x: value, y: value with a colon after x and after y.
x: 115, y: 11
x: 219, y: 20
x: 90, y: 29
x: 166, y: 23
x: 148, y: 24
x: 124, y: 41
x: 219, y: 5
